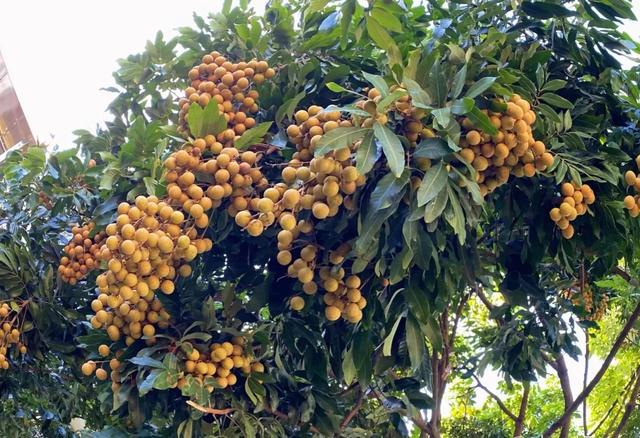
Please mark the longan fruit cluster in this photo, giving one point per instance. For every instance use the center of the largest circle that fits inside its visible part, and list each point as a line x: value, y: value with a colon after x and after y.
x: 512, y: 151
x: 574, y: 203
x: 584, y: 298
x: 9, y: 334
x: 219, y: 361
x: 234, y: 175
x: 90, y: 367
x: 148, y: 246
x: 341, y: 294
x: 229, y: 85
x: 81, y: 254
x: 632, y: 202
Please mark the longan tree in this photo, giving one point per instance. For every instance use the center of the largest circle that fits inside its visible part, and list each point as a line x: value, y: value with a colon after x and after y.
x: 294, y: 239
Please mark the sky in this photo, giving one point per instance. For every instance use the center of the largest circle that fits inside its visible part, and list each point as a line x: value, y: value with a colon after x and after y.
x: 59, y: 54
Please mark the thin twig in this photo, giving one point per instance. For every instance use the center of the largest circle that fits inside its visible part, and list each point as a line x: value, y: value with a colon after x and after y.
x: 206, y: 410
x: 500, y: 403
x: 353, y: 412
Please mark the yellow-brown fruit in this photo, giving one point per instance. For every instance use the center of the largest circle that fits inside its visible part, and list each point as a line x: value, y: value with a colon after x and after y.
x: 473, y: 138
x: 630, y: 177
x: 103, y: 350
x: 568, y: 232
x: 629, y: 202
x: 297, y: 303
x: 101, y: 374
x: 88, y: 368
x: 332, y: 313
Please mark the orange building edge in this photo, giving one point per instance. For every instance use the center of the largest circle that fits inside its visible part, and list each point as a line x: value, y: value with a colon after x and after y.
x: 14, y: 128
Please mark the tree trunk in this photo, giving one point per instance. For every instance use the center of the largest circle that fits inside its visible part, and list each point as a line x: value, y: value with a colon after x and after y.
x: 565, y: 384
x: 522, y: 413
x: 585, y: 377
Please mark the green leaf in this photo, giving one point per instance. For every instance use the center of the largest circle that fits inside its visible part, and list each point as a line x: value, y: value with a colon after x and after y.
x: 347, y: 10
x: 348, y: 367
x: 458, y: 82
x: 434, y: 209
x: 482, y: 121
x: 545, y: 10
x: 213, y: 122
x: 367, y: 154
x: 438, y: 83
x: 362, y: 350
x: 195, y: 117
x: 336, y: 88
x: 480, y: 86
x: 557, y: 101
x: 386, y: 19
x: 433, y: 182
x: 388, y: 341
x: 389, y: 99
x: 378, y: 34
x: 165, y: 380
x: 378, y: 82
x: 146, y: 362
x: 553, y: 85
x: 392, y: 148
x: 387, y: 189
x: 549, y: 113
x: 415, y: 342
x: 456, y: 219
x: 287, y: 109
x: 252, y: 136
x: 339, y: 138
x: 316, y: 6
x: 432, y: 148
x: 419, y: 97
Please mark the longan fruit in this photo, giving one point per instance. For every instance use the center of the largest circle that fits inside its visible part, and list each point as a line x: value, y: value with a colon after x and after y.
x: 568, y: 232
x: 88, y: 368
x: 320, y: 210
x: 630, y: 177
x: 255, y: 227
x: 555, y: 214
x: 473, y: 138
x: 353, y: 313
x: 629, y: 202
x: 567, y: 189
x: 332, y: 313
x: 296, y: 303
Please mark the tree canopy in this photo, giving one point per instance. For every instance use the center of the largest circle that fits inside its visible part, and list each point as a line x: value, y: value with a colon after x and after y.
x: 319, y: 220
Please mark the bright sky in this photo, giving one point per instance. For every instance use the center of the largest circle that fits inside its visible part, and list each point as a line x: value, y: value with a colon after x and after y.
x: 59, y: 54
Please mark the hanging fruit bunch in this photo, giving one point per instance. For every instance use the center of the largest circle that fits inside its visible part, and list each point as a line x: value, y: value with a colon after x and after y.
x: 512, y: 151
x: 81, y: 254
x: 12, y: 319
x: 574, y: 202
x: 632, y: 202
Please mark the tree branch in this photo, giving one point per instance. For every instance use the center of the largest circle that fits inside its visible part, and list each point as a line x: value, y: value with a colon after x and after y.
x: 522, y: 412
x: 565, y: 385
x: 622, y: 273
x: 603, y: 368
x: 630, y: 406
x: 353, y: 412
x: 497, y: 399
x: 585, y: 378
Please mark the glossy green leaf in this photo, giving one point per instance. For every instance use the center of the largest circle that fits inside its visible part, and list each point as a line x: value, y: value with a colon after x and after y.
x: 392, y: 148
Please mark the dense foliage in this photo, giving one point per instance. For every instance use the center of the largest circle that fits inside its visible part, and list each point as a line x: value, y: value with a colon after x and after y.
x: 313, y: 221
